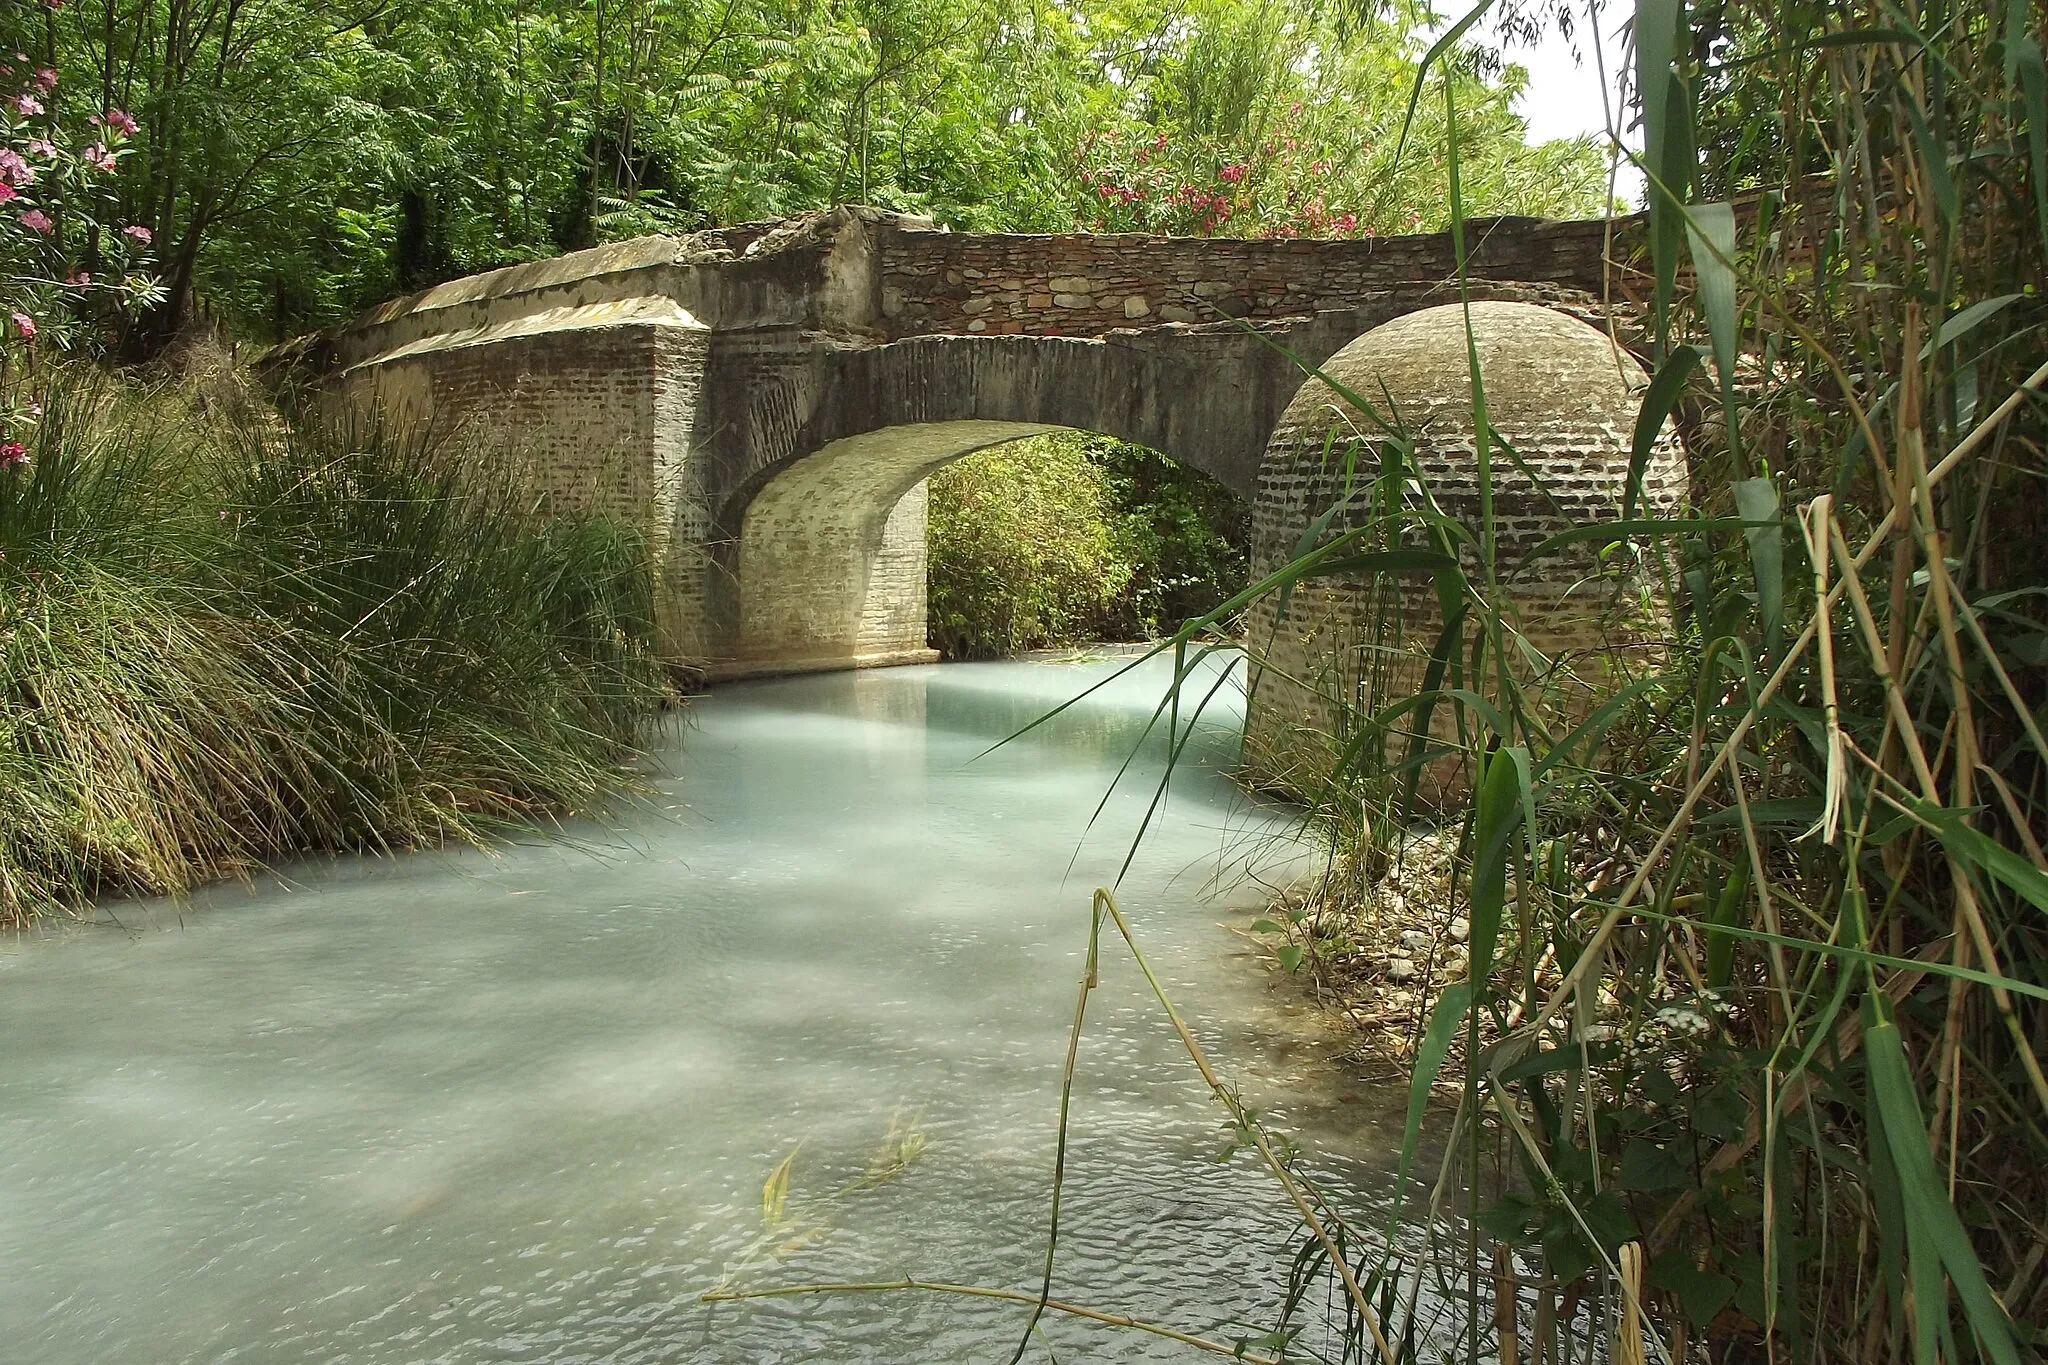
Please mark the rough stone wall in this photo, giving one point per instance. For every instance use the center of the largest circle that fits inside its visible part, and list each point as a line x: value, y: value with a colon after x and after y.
x: 892, y: 619
x: 1085, y: 284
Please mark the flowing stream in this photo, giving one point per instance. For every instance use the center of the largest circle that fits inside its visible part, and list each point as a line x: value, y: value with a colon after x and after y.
x: 523, y: 1106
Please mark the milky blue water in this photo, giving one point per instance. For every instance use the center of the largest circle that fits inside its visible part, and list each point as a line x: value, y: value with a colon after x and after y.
x: 521, y: 1107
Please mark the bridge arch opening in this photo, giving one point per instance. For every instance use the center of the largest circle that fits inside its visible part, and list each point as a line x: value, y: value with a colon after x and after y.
x: 831, y: 568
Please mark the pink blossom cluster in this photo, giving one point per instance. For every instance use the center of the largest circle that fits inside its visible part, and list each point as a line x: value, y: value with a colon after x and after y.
x: 13, y: 454
x: 38, y: 170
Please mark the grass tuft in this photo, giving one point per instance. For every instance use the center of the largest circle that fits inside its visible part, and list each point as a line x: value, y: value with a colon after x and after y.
x: 222, y: 641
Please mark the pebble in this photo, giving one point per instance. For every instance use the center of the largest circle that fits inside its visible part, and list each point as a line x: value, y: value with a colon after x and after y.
x: 1461, y: 929
x: 1414, y: 938
x: 1401, y: 969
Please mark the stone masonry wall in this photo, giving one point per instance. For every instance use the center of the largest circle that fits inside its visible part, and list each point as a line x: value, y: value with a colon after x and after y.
x: 1086, y: 284
x: 764, y: 400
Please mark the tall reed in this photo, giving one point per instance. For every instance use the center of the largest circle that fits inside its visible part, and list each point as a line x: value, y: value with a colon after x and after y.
x: 1749, y: 1040
x: 222, y: 641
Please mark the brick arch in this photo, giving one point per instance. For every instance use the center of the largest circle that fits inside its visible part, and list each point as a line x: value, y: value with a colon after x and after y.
x: 818, y: 548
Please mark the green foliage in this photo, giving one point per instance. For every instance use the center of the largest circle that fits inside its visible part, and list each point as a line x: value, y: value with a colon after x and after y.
x: 1185, y: 536
x: 1271, y: 119
x: 1071, y: 537
x: 1024, y: 551
x: 301, y: 159
x: 217, y: 646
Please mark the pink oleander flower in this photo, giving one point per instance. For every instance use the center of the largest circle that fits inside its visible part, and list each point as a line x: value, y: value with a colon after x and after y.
x: 98, y: 157
x: 13, y: 454
x: 35, y: 220
x: 78, y: 279
x: 41, y: 146
x: 137, y: 232
x: 1232, y: 173
x: 25, y: 325
x: 28, y: 106
x: 122, y: 122
x: 13, y: 170
x: 7, y: 191
x: 46, y: 79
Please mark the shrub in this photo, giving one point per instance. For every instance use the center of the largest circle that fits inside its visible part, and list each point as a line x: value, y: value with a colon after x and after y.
x: 1024, y: 549
x: 1057, y: 539
x: 1186, y: 535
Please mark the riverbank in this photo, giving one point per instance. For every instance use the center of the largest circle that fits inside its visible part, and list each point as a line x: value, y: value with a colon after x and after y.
x: 1372, y: 949
x: 225, y: 640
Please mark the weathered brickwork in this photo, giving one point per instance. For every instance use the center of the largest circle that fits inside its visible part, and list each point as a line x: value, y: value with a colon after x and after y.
x: 767, y: 400
x: 595, y: 412
x: 1565, y: 398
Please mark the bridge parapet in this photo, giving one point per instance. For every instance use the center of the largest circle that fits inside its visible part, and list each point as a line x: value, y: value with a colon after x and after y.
x: 1083, y: 284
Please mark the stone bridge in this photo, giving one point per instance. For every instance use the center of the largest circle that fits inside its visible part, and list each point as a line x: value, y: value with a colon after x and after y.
x: 767, y: 400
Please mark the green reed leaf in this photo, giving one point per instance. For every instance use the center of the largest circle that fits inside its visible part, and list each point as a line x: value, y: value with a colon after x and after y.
x: 1980, y: 850
x: 1658, y: 401
x: 1936, y: 1240
x: 1710, y: 230
x: 2033, y: 75
x: 1757, y: 502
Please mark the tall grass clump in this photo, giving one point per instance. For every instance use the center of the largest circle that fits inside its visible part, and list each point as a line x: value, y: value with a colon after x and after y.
x: 221, y: 642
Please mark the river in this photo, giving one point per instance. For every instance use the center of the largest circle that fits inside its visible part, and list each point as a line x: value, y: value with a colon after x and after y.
x: 522, y: 1106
